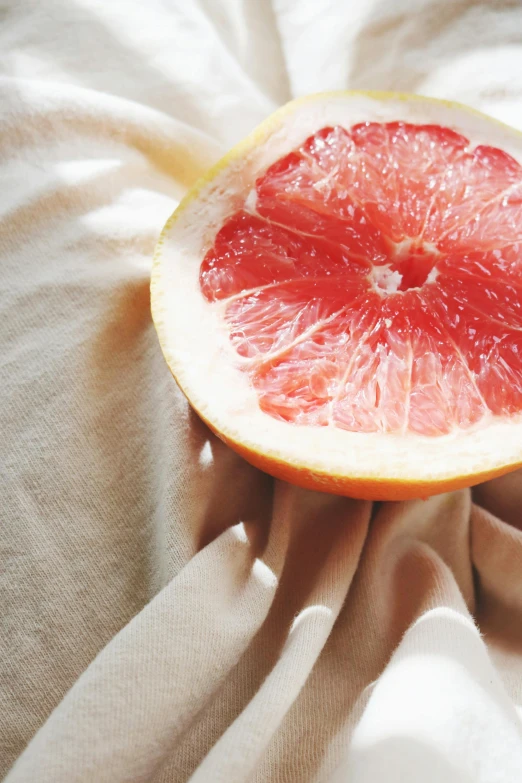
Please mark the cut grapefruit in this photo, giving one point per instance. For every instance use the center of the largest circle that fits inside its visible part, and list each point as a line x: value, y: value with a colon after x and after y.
x: 340, y: 298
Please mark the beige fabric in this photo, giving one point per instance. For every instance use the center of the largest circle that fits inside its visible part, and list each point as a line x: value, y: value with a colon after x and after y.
x: 166, y: 611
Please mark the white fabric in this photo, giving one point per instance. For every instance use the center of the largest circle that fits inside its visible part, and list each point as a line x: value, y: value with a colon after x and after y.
x: 167, y: 612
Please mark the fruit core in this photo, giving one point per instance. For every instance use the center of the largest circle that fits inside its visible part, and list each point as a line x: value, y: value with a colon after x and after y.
x: 372, y: 281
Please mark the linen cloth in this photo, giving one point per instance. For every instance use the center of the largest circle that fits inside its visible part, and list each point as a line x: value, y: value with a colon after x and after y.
x: 167, y: 612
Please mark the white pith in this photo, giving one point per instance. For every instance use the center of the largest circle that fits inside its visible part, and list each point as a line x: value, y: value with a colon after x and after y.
x: 195, y: 338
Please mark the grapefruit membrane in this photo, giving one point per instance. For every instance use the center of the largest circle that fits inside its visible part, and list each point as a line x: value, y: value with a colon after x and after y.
x: 340, y: 298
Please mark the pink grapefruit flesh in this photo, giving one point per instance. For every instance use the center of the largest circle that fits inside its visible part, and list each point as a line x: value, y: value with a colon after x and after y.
x: 372, y: 281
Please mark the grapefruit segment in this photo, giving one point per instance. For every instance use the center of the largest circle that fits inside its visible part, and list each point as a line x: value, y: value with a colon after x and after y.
x: 359, y: 282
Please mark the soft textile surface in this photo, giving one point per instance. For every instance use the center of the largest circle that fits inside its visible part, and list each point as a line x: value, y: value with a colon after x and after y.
x: 168, y: 613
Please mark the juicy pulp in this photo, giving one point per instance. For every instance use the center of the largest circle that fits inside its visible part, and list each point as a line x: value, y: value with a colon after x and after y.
x: 372, y: 281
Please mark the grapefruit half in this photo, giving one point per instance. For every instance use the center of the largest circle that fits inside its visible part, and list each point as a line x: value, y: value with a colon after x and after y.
x: 340, y: 298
